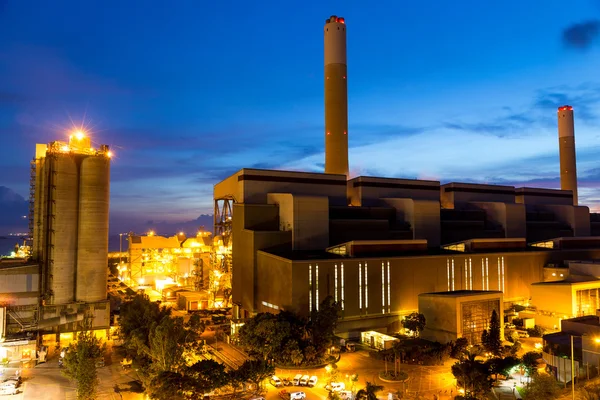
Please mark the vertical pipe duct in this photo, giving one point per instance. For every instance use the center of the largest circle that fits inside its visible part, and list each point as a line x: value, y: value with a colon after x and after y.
x: 566, y: 143
x: 336, y: 97
x: 92, y: 244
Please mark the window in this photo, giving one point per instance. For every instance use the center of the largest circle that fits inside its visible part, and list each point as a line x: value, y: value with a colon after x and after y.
x: 388, y: 286
x: 359, y: 286
x: 382, y: 288
x: 342, y: 276
x: 470, y: 274
x: 335, y: 284
x: 450, y: 273
x: 485, y: 274
x: 501, y: 274
x: 317, y: 286
x: 310, y: 287
x: 366, y: 287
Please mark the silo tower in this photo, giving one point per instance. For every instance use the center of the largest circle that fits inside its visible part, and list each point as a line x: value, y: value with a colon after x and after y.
x: 70, y: 219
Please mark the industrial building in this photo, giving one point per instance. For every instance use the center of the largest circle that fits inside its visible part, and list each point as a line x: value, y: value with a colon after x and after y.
x: 376, y: 244
x: 65, y: 280
x: 199, y: 265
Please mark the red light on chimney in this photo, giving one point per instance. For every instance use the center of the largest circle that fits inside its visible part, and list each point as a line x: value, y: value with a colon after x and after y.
x: 344, y: 132
x: 344, y: 77
x: 565, y: 108
x: 328, y: 133
x: 327, y: 78
x: 341, y: 21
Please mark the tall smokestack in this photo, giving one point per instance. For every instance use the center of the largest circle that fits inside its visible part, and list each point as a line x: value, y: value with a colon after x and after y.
x: 566, y: 142
x: 336, y: 97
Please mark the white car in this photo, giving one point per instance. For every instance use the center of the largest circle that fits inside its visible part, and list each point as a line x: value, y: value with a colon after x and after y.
x: 297, y: 396
x: 297, y: 379
x: 336, y: 386
x: 275, y: 381
x: 304, y: 380
x: 312, y: 381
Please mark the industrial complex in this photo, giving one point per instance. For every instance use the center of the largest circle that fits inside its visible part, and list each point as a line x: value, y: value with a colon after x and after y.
x: 287, y: 240
x: 385, y: 247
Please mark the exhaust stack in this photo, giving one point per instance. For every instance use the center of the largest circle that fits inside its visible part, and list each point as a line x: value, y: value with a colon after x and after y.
x: 336, y: 97
x: 566, y: 143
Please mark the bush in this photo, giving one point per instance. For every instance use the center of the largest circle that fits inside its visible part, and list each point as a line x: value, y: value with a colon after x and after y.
x: 511, y: 336
x: 536, y: 331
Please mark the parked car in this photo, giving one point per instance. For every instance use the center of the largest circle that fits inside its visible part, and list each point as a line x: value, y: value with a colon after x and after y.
x: 297, y: 396
x: 346, y: 395
x: 336, y: 386
x: 287, y: 381
x: 304, y: 380
x: 275, y: 381
x: 312, y: 381
x: 297, y: 379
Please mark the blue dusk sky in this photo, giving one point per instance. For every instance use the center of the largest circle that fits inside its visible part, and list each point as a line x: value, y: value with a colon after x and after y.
x: 188, y: 92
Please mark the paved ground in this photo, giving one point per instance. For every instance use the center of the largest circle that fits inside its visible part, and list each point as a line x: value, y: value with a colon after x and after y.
x: 45, y: 381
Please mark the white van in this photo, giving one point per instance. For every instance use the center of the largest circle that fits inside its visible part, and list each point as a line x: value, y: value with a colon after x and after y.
x: 312, y: 381
x: 296, y: 380
x: 275, y: 381
x: 304, y: 380
x: 297, y: 396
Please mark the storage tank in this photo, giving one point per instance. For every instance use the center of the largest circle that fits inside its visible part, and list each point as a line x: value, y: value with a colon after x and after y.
x: 63, y: 189
x: 92, y: 255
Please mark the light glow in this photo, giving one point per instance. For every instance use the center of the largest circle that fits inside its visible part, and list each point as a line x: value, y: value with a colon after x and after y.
x: 79, y: 135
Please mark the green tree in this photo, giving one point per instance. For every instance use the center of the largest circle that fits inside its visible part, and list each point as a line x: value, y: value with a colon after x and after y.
x: 473, y: 376
x: 137, y: 318
x: 323, y: 323
x: 459, y: 348
x: 530, y: 362
x: 543, y: 387
x: 369, y: 392
x: 415, y: 323
x: 297, y: 357
x: 80, y: 364
x: 310, y: 354
x: 205, y: 376
x: 490, y: 338
x: 263, y: 335
x: 257, y: 370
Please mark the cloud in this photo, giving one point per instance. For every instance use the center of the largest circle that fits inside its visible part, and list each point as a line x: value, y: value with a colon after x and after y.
x: 582, y: 35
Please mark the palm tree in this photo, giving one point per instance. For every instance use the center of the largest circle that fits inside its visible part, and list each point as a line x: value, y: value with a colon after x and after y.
x: 369, y: 392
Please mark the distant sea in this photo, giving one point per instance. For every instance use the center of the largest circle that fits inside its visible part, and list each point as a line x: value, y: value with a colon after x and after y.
x: 8, y: 245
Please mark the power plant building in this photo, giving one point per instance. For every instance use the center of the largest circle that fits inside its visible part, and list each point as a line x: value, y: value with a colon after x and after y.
x: 376, y: 244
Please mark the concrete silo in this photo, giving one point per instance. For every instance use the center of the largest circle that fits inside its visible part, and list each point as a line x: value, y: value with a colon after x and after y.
x: 92, y: 247
x: 63, y: 209
x: 70, y: 230
x: 566, y: 143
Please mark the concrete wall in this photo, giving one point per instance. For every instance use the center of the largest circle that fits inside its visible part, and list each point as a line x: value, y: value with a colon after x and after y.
x: 510, y: 216
x: 555, y: 297
x: 578, y: 218
x: 245, y: 245
x: 441, y: 318
x: 368, y: 191
x: 422, y: 215
x: 540, y: 196
x: 307, y: 217
x: 453, y: 195
x: 20, y: 280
